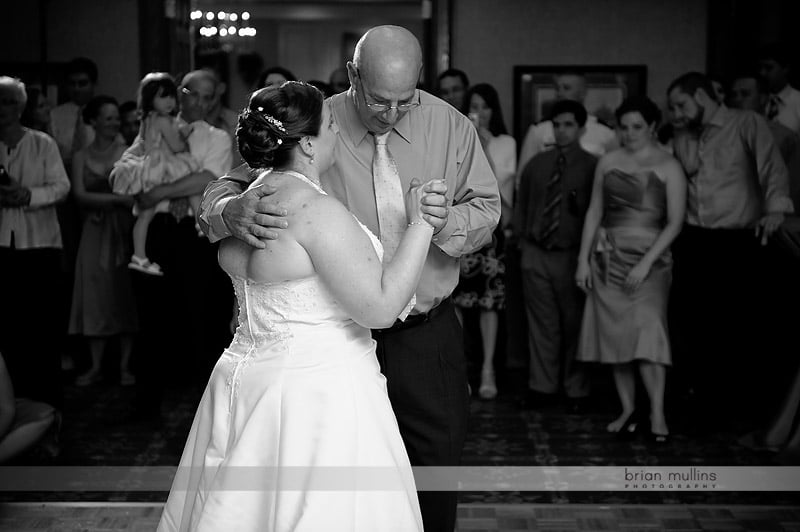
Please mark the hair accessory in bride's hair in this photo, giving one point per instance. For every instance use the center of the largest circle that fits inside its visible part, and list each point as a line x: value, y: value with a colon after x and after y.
x: 272, y: 120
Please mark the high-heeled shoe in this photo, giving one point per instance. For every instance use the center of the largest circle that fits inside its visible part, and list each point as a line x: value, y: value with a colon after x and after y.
x: 654, y: 437
x: 488, y: 389
x: 629, y: 429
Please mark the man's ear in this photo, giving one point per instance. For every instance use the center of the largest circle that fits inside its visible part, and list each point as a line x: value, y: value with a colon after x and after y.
x: 701, y: 97
x: 221, y: 88
x: 352, y: 73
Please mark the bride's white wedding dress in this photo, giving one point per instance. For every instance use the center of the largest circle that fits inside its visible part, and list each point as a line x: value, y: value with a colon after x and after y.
x: 298, y: 386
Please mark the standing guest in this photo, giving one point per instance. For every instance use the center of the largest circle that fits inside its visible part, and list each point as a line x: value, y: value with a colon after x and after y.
x: 452, y: 88
x: 624, y: 265
x: 383, y: 111
x: 275, y: 77
x: 749, y: 92
x: 165, y: 158
x: 784, y: 100
x: 597, y: 138
x: 129, y: 121
x: 69, y: 130
x: 737, y: 196
x: 554, y: 193
x: 482, y: 273
x: 103, y: 305
x: 173, y: 302
x: 32, y: 181
x: 37, y: 111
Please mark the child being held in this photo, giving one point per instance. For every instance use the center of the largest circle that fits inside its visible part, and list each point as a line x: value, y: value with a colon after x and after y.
x: 159, y: 155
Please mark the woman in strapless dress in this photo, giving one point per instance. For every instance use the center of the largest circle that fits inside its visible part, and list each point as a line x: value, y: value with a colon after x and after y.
x: 295, y: 431
x: 624, y: 265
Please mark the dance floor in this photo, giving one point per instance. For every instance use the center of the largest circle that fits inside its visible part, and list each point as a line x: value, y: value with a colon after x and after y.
x: 98, y: 431
x: 143, y: 517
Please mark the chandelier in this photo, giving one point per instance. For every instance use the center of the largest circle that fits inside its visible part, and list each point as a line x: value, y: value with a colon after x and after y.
x: 223, y: 25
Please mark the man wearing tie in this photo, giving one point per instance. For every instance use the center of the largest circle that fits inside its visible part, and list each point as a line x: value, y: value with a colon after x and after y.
x: 554, y: 192
x: 783, y: 104
x: 390, y: 133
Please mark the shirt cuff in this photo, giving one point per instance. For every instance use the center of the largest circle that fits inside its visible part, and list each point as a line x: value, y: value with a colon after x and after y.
x: 774, y: 206
x: 217, y: 228
x: 441, y: 238
x: 38, y: 197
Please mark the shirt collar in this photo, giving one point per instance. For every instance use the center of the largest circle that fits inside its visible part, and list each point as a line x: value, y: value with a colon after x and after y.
x: 720, y: 117
x: 356, y: 129
x: 785, y: 93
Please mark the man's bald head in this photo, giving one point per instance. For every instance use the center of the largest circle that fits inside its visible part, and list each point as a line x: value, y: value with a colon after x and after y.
x: 196, y: 76
x: 384, y: 72
x: 389, y: 57
x: 197, y: 94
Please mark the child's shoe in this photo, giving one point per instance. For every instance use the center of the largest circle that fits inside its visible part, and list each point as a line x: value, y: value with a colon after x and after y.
x: 145, y: 266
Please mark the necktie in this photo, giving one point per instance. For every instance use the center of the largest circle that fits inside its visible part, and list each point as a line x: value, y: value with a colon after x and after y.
x: 552, y: 206
x: 388, y: 197
x: 772, y: 106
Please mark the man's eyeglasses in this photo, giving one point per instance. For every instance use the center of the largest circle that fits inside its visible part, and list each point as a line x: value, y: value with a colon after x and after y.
x: 384, y: 107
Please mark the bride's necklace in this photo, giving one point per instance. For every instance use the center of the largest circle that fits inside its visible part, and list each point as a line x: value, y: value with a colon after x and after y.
x: 300, y: 176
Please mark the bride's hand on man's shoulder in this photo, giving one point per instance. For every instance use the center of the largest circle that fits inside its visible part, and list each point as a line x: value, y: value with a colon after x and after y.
x: 252, y: 215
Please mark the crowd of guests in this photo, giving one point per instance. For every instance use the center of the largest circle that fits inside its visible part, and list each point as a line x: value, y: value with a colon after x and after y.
x: 661, y: 248
x: 652, y: 246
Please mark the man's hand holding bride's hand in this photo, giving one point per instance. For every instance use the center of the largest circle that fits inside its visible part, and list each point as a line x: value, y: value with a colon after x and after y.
x: 416, y: 202
x: 252, y: 216
x: 434, y: 203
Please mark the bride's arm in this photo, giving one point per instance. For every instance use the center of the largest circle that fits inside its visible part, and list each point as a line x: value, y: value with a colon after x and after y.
x: 343, y: 256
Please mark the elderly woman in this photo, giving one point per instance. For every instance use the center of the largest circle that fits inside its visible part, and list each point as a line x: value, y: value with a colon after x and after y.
x: 32, y: 181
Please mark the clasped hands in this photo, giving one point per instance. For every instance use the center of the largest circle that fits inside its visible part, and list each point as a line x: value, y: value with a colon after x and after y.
x: 14, y: 195
x: 253, y: 216
x: 633, y: 280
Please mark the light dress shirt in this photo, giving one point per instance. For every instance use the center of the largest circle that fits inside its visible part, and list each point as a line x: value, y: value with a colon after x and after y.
x: 788, y: 101
x: 36, y: 164
x: 63, y: 119
x: 597, y: 139
x: 734, y: 171
x: 502, y: 152
x: 432, y: 141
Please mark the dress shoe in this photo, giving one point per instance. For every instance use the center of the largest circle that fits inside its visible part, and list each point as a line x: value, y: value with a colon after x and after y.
x: 535, y: 400
x: 629, y: 429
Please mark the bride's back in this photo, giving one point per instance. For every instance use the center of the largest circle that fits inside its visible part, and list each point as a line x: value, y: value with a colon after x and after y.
x: 283, y: 259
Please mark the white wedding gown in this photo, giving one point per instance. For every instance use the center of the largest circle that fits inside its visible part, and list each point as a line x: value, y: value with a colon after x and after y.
x: 298, y: 391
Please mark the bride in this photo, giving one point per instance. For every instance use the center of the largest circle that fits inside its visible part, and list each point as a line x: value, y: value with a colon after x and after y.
x: 299, y: 389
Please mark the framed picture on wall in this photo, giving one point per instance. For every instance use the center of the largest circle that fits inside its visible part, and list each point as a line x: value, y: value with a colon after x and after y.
x: 606, y: 87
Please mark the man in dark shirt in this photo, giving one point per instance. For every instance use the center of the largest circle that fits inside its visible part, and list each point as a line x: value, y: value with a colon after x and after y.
x: 554, y: 193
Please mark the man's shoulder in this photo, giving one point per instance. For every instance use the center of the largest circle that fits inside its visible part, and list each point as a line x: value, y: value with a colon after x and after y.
x: 40, y: 139
x: 584, y: 156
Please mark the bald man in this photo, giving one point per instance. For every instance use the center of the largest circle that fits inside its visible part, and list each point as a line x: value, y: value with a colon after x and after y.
x: 422, y: 357
x: 183, y: 315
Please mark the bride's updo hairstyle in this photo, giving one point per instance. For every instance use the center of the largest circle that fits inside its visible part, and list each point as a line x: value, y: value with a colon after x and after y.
x: 275, y: 120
